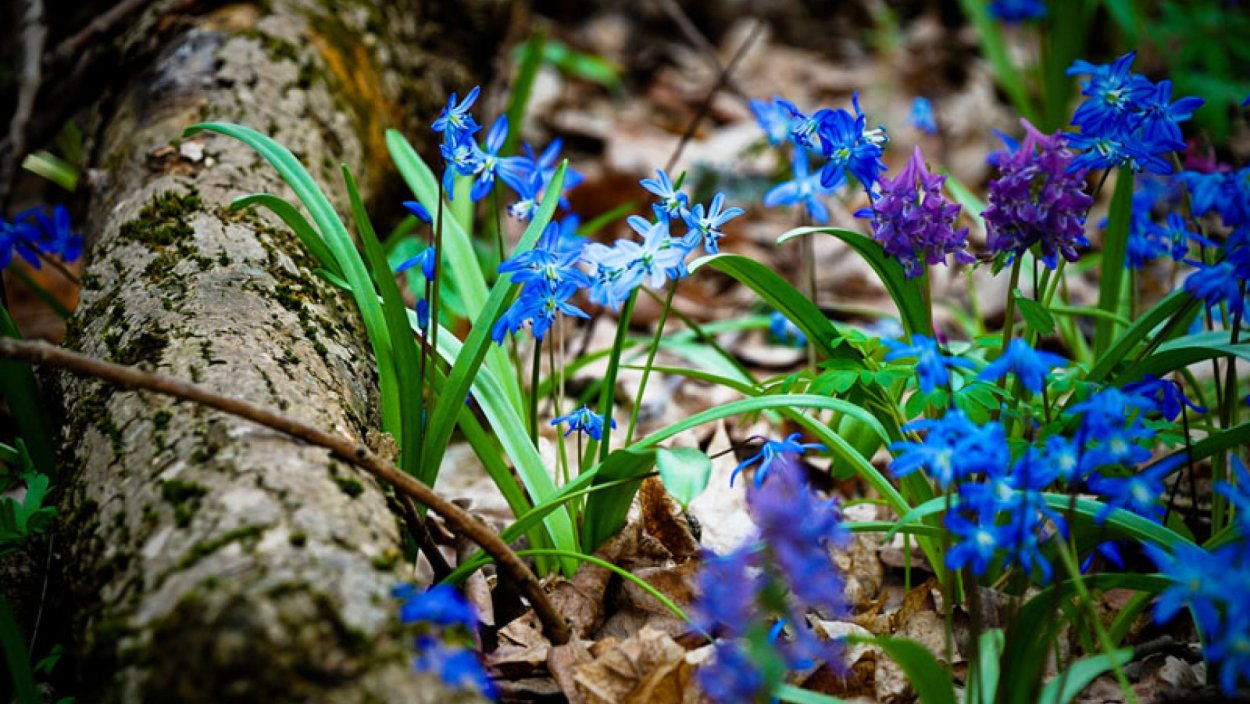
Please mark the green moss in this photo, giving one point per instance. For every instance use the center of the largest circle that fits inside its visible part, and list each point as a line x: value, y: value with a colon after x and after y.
x: 176, y: 491
x: 164, y: 221
x: 350, y: 486
x: 205, y: 548
x: 299, y: 539
x: 90, y: 281
x: 387, y: 560
x: 162, y: 418
x: 147, y: 346
x: 289, y: 297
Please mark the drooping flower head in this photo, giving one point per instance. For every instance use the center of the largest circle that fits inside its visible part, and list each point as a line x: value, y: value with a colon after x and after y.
x: 914, y: 222
x: 489, y: 166
x: 1036, y: 200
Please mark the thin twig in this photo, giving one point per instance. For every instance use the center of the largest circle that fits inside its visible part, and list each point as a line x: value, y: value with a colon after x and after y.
x: 692, y: 34
x: 555, y: 627
x: 102, y: 23
x: 33, y: 32
x: 711, y: 94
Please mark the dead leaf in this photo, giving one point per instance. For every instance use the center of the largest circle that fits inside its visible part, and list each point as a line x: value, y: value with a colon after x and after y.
x: 648, y: 667
x: 563, y: 660
x: 662, y: 519
x: 722, y: 509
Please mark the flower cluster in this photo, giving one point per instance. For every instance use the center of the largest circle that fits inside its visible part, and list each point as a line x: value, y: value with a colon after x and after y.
x: 1037, y: 199
x: 1224, y: 282
x: 444, y: 614
x: 527, y: 175
x: 750, y: 597
x: 932, y: 366
x: 1212, y: 584
x: 1126, y: 120
x: 34, y: 232
x: 914, y: 222
x: 841, y: 137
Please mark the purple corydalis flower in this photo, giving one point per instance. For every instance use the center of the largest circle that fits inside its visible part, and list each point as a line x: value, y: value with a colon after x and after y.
x: 914, y: 222
x: 1037, y: 200
x: 770, y: 452
x: 1029, y: 365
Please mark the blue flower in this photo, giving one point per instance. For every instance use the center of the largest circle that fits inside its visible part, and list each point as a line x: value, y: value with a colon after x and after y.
x: 418, y: 211
x: 584, y: 420
x: 1195, y: 577
x: 1159, y: 115
x: 539, y: 305
x: 922, y: 115
x: 733, y: 676
x: 769, y: 452
x: 489, y: 165
x: 1224, y: 192
x: 1220, y: 282
x: 932, y: 367
x: 657, y: 259
x: 977, y: 542
x: 425, y: 260
x: 708, y: 225
x: 457, y: 667
x: 1012, y: 11
x: 727, y: 588
x: 803, y: 128
x: 552, y: 262
x: 441, y: 605
x: 1030, y: 366
x: 848, y: 146
x: 798, y: 526
x: 456, y: 121
x: 804, y: 188
x: 953, y: 448
x: 673, y: 204
x: 1114, y: 92
x: 1139, y: 492
x: 772, y: 117
x: 785, y: 331
x: 33, y: 232
x: 1166, y: 395
x: 460, y: 158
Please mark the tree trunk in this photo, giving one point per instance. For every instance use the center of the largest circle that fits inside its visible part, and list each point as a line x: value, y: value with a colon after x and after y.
x: 205, y: 558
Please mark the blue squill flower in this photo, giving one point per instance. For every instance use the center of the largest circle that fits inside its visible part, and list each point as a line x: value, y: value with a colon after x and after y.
x: 728, y: 585
x: 803, y: 127
x: 849, y: 146
x: 672, y: 203
x: 1014, y: 11
x: 932, y: 367
x: 953, y: 448
x: 552, y: 262
x: 769, y: 453
x: 785, y: 331
x: 773, y: 118
x: 977, y: 542
x: 914, y: 222
x: 1113, y: 93
x: 1029, y: 365
x: 584, y: 420
x: 425, y: 260
x: 804, y: 188
x: 1138, y: 492
x: 1193, y: 573
x: 441, y: 605
x: 418, y: 211
x: 1225, y: 192
x: 488, y: 165
x: 1178, y: 236
x: 456, y: 121
x: 922, y: 115
x: 1221, y: 282
x: 460, y: 158
x: 1166, y: 394
x: 457, y: 667
x: 708, y: 223
x: 1159, y: 118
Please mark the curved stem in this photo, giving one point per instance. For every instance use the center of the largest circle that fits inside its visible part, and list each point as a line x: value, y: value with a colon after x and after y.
x: 345, y: 448
x: 646, y: 371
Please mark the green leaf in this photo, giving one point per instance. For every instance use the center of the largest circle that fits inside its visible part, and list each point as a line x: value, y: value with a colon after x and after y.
x: 989, y: 669
x: 13, y: 645
x: 19, y: 390
x: 476, y: 347
x: 1180, y: 353
x: 1066, y: 685
x: 522, y: 85
x: 403, y: 346
x: 295, y: 220
x: 795, y: 695
x: 606, y: 510
x: 684, y: 471
x: 458, y: 250
x: 1035, y: 315
x: 1175, y: 304
x: 53, y: 168
x: 1114, y: 247
x: 909, y: 295
x: 337, y: 238
x: 927, y: 676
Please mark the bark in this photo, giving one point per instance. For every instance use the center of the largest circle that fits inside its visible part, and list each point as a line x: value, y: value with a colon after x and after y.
x: 208, y: 559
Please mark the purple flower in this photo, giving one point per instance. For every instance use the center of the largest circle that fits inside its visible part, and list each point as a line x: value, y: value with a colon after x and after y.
x: 1037, y: 200
x: 733, y: 676
x: 1030, y: 366
x: 727, y: 589
x: 914, y: 222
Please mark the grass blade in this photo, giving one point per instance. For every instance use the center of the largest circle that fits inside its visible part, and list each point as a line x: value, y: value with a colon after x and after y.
x: 1114, y: 248
x: 19, y: 390
x: 295, y: 220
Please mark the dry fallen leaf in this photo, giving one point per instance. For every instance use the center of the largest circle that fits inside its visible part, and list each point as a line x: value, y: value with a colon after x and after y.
x: 647, y: 667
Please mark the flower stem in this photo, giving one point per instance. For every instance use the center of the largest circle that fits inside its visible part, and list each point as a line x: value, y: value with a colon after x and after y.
x: 646, y: 371
x: 1104, y: 639
x: 534, y: 371
x: 1009, y: 313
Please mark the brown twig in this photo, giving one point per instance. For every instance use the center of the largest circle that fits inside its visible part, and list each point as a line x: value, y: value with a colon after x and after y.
x: 33, y: 32
x: 721, y: 78
x: 692, y: 34
x: 101, y: 24
x: 555, y: 627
